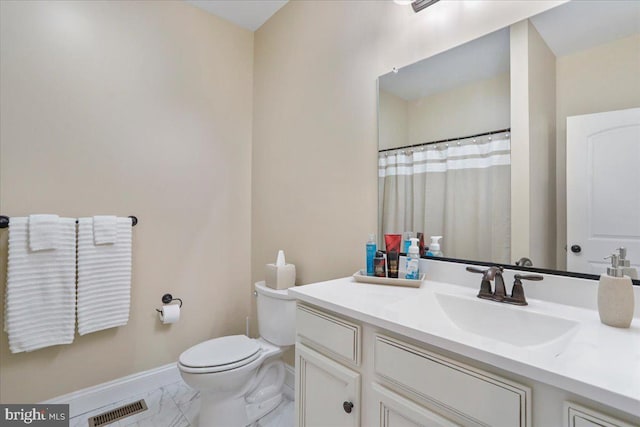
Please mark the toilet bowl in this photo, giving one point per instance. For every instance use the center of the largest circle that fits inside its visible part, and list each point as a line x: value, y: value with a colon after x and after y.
x: 240, y: 379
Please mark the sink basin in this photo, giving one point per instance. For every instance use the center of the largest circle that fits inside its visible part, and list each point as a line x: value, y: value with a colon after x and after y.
x: 511, y: 324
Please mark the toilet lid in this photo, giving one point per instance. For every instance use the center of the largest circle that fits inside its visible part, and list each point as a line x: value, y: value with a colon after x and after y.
x: 220, y: 351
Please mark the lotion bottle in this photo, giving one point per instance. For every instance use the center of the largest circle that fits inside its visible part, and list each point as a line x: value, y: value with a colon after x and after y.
x: 615, y: 296
x: 413, y: 260
x: 625, y: 264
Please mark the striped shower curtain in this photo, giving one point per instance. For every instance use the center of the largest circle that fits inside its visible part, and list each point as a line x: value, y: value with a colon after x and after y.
x: 459, y: 190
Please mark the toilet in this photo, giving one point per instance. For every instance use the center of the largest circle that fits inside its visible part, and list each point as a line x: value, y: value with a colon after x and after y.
x: 240, y: 379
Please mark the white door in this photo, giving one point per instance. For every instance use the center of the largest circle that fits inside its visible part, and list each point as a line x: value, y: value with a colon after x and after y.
x: 603, y: 188
x: 327, y: 393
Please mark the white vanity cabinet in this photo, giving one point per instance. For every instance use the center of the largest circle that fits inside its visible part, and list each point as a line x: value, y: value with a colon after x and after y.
x: 327, y: 391
x: 397, y: 385
x: 351, y: 373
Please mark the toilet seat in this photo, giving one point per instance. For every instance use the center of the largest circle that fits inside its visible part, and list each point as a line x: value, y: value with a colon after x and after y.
x: 220, y: 354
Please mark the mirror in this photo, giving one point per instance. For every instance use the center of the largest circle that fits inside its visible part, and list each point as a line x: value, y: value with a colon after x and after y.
x: 457, y: 158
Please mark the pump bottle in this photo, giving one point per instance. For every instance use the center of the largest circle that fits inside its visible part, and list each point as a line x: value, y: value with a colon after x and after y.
x: 434, y: 247
x: 371, y: 253
x: 615, y: 296
x: 413, y: 260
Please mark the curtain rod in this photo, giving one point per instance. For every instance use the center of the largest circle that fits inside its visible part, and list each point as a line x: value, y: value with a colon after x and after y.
x: 445, y: 140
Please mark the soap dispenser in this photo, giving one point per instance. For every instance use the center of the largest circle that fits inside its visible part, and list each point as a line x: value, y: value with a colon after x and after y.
x: 413, y: 260
x: 625, y: 264
x: 615, y: 296
x: 434, y: 247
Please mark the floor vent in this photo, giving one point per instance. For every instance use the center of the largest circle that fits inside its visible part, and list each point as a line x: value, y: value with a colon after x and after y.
x: 118, y: 414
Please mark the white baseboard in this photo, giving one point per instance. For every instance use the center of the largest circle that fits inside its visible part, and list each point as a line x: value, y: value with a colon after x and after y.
x: 289, y: 382
x: 91, y: 398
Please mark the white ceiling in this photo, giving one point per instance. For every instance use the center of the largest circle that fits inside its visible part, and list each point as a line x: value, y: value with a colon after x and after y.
x: 249, y: 14
x: 568, y: 28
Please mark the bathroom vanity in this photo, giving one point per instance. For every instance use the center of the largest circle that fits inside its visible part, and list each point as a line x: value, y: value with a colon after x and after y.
x: 375, y: 355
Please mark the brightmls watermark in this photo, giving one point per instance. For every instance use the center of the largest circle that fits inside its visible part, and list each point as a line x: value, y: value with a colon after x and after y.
x: 34, y: 415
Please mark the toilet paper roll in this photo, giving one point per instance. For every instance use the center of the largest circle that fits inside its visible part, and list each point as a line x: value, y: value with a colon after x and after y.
x: 170, y: 314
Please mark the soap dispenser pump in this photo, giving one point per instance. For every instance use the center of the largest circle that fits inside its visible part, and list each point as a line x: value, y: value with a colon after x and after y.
x: 615, y: 296
x: 625, y: 264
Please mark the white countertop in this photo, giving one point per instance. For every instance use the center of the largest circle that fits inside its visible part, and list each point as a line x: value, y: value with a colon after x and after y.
x: 593, y: 360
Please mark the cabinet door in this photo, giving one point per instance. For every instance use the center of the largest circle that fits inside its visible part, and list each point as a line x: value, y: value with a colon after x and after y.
x: 580, y: 416
x: 327, y: 393
x: 396, y: 411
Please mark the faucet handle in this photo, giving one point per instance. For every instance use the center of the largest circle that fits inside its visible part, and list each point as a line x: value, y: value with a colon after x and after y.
x: 517, y: 291
x: 535, y: 277
x: 489, y: 274
x: 492, y: 269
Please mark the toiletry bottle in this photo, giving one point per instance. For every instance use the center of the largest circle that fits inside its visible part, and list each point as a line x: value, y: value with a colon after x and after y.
x: 393, y: 245
x: 407, y: 242
x: 434, y: 247
x: 371, y: 252
x: 625, y: 264
x: 423, y: 250
x: 413, y: 261
x: 379, y: 268
x: 615, y: 296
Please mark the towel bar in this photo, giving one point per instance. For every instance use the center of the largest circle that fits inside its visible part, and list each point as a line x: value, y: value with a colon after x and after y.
x: 4, y: 221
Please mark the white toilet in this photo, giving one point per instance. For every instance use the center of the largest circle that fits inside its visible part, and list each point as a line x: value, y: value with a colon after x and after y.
x: 240, y: 379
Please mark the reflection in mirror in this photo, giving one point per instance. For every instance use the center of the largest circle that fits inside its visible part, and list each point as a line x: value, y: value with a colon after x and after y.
x: 457, y: 158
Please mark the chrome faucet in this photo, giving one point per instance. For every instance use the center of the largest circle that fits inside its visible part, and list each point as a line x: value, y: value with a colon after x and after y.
x: 499, y: 292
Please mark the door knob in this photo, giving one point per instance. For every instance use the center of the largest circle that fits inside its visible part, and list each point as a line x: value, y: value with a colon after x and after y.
x: 347, y: 406
x: 576, y: 249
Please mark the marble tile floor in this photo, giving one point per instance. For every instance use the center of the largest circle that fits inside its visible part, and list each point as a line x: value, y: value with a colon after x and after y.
x: 176, y: 405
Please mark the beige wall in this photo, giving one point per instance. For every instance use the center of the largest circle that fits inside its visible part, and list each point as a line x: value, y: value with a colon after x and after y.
x: 393, y: 128
x: 477, y: 107
x: 473, y: 108
x: 140, y: 108
x: 603, y: 78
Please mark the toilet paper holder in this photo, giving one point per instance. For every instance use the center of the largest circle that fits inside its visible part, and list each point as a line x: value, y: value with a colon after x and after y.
x: 168, y: 298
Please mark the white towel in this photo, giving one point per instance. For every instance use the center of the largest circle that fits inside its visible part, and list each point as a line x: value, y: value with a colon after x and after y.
x: 104, y: 278
x: 104, y: 229
x: 44, y: 232
x: 41, y: 289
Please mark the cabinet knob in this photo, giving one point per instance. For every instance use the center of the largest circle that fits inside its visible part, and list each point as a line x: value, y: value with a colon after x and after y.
x: 576, y: 249
x: 347, y: 406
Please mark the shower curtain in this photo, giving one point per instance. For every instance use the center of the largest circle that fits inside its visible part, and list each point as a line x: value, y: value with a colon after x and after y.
x: 459, y: 190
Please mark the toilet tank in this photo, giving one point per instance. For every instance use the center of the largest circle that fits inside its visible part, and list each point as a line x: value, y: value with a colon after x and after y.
x: 276, y: 315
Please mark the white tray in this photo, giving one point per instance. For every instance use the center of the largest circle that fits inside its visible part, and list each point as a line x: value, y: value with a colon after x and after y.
x: 361, y: 276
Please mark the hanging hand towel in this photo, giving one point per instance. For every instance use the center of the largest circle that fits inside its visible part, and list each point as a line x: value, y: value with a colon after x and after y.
x: 104, y: 278
x: 44, y: 232
x: 104, y: 229
x: 41, y: 288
